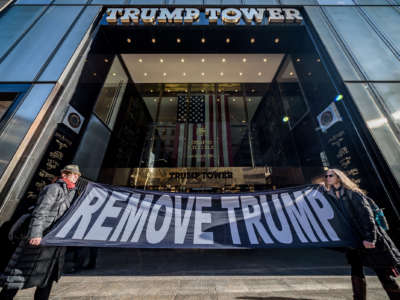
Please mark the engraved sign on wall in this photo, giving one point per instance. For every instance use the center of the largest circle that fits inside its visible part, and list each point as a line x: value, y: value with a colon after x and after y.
x: 199, y: 177
x: 59, y: 153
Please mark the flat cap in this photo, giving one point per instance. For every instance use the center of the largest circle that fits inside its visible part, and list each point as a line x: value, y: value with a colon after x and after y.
x: 71, y: 169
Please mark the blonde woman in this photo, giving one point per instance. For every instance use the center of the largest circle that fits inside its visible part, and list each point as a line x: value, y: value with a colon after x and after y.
x: 376, y: 249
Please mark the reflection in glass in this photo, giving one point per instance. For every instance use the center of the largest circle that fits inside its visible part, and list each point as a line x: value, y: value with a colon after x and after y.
x: 378, y: 125
x: 390, y: 93
x: 18, y: 125
x: 111, y: 94
x: 293, y: 101
x: 364, y: 43
x: 16, y: 20
x: 41, y: 41
x: 6, y: 99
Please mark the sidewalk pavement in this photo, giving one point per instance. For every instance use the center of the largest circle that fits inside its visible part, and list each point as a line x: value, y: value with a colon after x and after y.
x: 207, y: 288
x: 263, y: 274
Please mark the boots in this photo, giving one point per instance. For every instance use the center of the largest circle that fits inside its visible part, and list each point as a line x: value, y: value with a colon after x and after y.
x: 359, y: 288
x: 391, y: 286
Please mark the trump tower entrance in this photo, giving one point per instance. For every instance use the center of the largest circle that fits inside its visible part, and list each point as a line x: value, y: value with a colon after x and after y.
x: 212, y: 101
x: 231, y: 101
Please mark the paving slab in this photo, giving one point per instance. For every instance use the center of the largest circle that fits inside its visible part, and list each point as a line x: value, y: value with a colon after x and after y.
x: 269, y: 274
x: 208, y: 287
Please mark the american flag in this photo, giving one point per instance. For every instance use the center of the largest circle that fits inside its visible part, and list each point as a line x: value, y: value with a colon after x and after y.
x: 203, y: 132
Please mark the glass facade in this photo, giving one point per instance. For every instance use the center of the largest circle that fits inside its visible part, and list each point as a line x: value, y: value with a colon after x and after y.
x: 270, y: 127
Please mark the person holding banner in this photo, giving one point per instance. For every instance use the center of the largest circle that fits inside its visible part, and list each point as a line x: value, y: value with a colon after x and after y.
x: 376, y: 249
x: 33, y: 265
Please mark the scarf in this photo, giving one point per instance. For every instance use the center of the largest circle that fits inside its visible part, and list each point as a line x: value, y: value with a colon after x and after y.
x: 70, y: 184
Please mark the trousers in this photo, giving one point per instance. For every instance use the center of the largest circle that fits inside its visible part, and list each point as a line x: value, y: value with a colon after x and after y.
x: 41, y: 293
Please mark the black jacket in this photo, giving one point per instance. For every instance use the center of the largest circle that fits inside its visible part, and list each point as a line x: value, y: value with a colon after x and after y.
x: 385, y: 254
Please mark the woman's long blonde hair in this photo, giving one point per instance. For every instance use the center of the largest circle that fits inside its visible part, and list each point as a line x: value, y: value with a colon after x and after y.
x: 345, y: 181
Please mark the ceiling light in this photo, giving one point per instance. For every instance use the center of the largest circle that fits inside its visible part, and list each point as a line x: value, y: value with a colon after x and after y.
x: 183, y: 74
x: 224, y: 60
x: 203, y: 40
x: 222, y: 73
x: 145, y: 74
x: 265, y: 59
x: 153, y: 40
x: 259, y: 73
x: 164, y: 74
x: 128, y: 40
x: 291, y: 73
x: 252, y: 40
x: 178, y: 40
x: 106, y: 60
x: 219, y: 91
x: 318, y: 60
x: 140, y: 60
x: 228, y: 40
x: 244, y: 121
x: 182, y: 60
x: 240, y: 73
x: 114, y: 74
x: 170, y: 99
x: 202, y: 74
x: 298, y: 59
x: 203, y: 60
x: 168, y: 90
x: 276, y: 40
x: 244, y: 59
x: 236, y: 91
x: 186, y: 91
x: 161, y: 60
x: 234, y: 100
x: 155, y: 99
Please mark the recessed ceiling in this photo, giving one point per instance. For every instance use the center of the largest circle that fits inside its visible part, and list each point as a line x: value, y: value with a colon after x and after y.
x: 202, y: 68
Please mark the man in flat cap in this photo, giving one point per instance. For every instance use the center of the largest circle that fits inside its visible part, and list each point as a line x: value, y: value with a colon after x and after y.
x: 33, y: 265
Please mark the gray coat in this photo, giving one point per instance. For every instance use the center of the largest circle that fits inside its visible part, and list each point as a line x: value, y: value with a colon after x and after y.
x: 31, y: 265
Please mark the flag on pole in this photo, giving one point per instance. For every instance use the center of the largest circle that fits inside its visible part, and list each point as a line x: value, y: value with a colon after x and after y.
x: 328, y: 117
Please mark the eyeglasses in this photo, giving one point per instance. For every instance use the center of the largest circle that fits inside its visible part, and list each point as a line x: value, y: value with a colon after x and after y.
x: 329, y: 175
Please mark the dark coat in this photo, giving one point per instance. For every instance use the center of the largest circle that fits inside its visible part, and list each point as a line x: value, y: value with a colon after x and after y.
x: 356, y: 206
x: 33, y: 265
